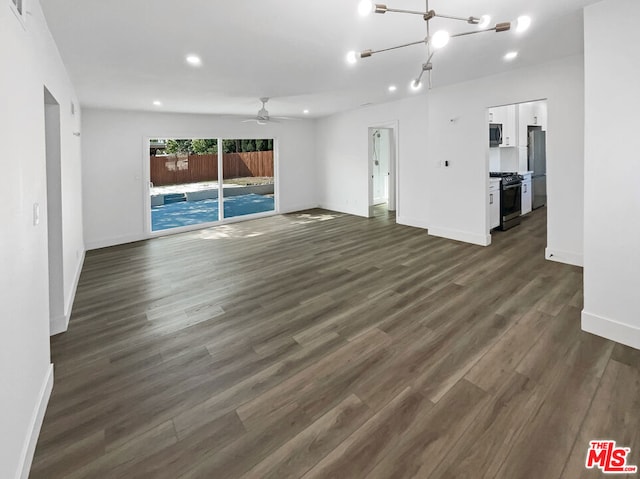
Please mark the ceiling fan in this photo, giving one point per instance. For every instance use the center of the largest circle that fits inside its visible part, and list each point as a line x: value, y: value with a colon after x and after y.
x: 263, y: 117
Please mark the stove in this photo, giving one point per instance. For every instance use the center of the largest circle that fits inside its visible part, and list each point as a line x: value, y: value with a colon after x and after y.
x: 510, y: 198
x: 508, y: 178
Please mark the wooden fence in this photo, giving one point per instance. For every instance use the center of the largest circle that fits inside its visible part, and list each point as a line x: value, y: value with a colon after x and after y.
x: 175, y: 170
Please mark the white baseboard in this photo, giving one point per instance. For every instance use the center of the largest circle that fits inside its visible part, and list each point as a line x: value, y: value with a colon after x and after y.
x: 473, y: 238
x: 29, y: 448
x: 610, y: 329
x: 566, y: 257
x: 105, y: 243
x: 296, y: 208
x: 339, y: 209
x: 415, y: 223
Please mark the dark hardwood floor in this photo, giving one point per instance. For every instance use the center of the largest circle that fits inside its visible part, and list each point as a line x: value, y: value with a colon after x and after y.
x: 321, y: 345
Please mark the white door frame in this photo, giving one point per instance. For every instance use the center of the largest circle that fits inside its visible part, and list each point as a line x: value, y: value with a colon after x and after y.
x: 55, y: 251
x: 394, y: 166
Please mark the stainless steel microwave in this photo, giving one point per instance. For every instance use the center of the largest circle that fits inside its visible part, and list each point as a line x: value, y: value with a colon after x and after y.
x: 495, y: 134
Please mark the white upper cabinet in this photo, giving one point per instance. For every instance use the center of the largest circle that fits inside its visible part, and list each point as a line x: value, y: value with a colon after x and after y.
x: 525, y: 116
x: 540, y: 114
x: 509, y: 128
x: 497, y: 115
x: 508, y: 117
x: 531, y: 114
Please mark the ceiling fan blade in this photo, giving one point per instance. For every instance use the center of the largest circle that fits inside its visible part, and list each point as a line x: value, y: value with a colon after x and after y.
x: 285, y: 118
x: 259, y: 121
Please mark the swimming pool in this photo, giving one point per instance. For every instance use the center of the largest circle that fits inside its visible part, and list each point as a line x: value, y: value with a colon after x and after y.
x: 188, y: 213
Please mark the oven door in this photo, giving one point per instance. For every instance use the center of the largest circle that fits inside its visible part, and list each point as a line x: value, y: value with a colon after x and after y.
x: 511, y: 202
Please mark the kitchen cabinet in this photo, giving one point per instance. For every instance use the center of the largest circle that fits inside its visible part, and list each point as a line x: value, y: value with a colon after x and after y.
x: 497, y: 115
x: 539, y: 114
x: 525, y: 118
x: 494, y: 203
x: 530, y: 114
x: 509, y: 127
x: 526, y: 205
x: 508, y: 117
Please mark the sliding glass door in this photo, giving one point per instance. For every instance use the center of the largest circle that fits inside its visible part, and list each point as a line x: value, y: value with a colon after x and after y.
x: 247, y: 177
x: 201, y: 181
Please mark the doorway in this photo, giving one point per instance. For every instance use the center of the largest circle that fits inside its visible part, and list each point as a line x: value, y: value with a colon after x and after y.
x: 382, y: 168
x: 54, y: 212
x: 516, y: 146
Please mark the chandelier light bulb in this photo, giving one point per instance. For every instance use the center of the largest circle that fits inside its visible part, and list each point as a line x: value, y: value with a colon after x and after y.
x: 523, y: 23
x: 440, y: 39
x: 416, y: 85
x: 484, y: 22
x: 352, y: 58
x: 366, y: 7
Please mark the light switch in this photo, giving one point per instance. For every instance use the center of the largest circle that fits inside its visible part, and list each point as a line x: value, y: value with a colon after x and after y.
x: 36, y: 214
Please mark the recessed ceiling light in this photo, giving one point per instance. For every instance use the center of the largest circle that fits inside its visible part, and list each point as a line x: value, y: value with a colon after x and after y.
x: 194, y: 60
x: 306, y: 112
x: 157, y: 103
x: 392, y: 88
x: 523, y: 23
x: 511, y: 56
x: 352, y: 58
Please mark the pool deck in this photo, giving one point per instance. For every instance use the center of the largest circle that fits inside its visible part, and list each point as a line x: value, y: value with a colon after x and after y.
x: 193, y: 187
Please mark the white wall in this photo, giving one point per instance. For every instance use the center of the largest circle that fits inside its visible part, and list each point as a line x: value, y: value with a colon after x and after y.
x: 343, y: 169
x: 457, y: 195
x: 30, y: 61
x: 451, y: 202
x: 612, y: 191
x: 115, y: 160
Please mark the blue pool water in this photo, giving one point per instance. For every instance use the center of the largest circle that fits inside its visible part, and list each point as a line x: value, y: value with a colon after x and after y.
x: 187, y: 213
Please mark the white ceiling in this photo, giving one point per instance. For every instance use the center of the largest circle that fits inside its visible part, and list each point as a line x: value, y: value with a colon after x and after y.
x: 126, y: 54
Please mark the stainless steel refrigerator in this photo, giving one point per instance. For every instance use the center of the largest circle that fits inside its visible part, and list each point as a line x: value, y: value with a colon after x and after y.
x: 537, y: 155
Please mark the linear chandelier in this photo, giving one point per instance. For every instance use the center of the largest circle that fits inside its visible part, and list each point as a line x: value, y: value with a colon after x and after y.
x: 436, y: 41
